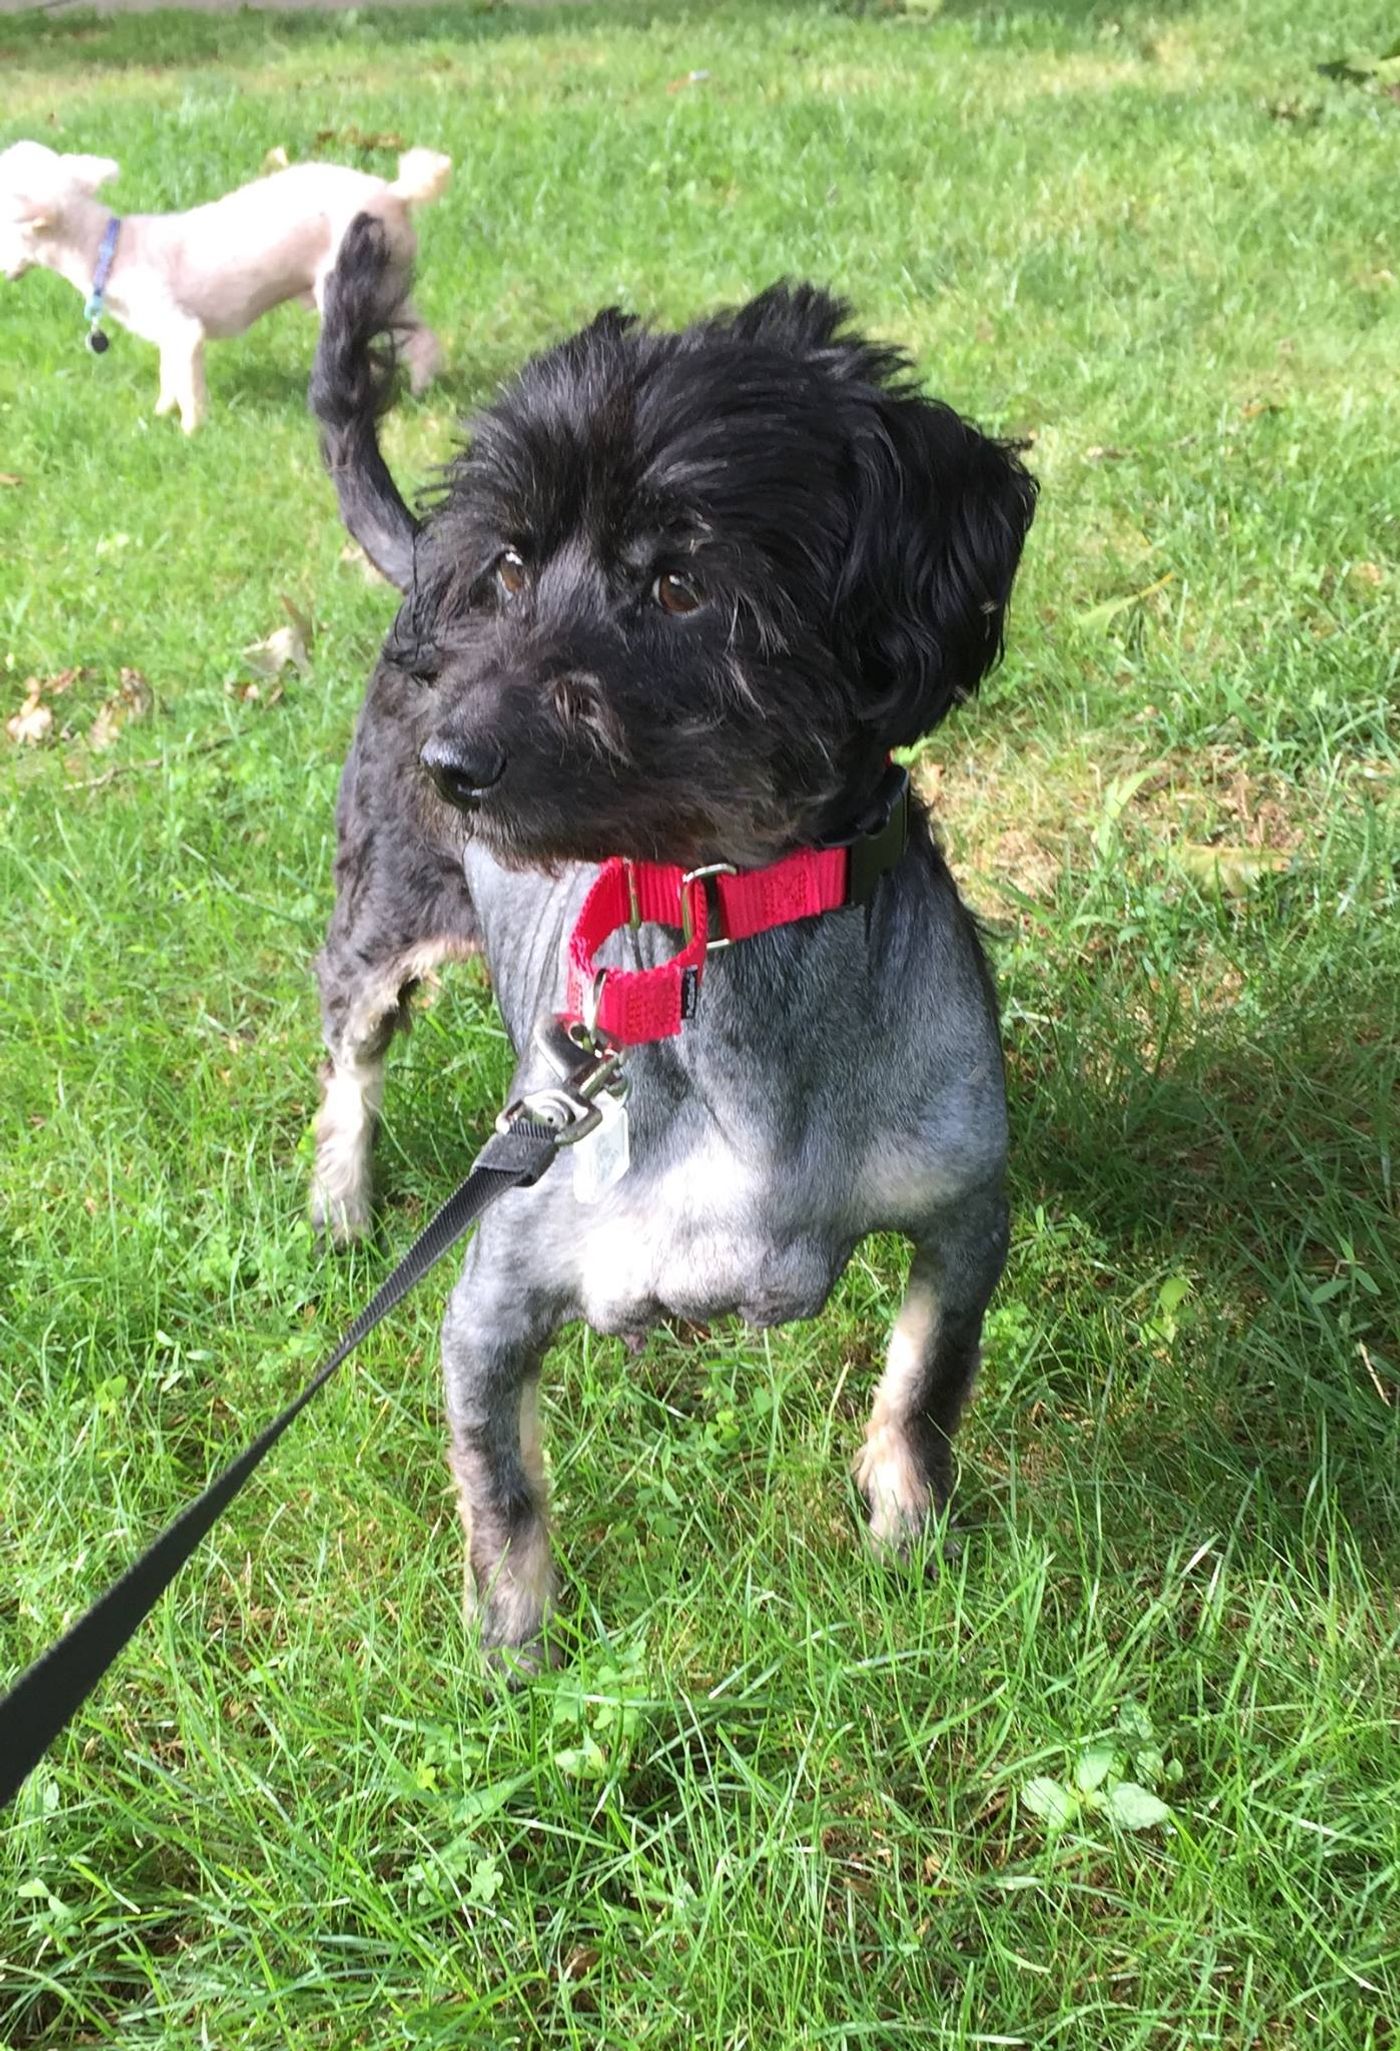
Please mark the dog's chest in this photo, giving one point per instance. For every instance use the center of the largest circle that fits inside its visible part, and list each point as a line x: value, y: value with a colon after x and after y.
x: 144, y: 303
x: 715, y: 1230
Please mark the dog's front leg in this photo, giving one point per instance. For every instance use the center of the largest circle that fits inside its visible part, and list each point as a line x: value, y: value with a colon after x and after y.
x: 363, y: 991
x: 493, y: 1342
x: 182, y: 374
x: 352, y: 1085
x: 905, y: 1467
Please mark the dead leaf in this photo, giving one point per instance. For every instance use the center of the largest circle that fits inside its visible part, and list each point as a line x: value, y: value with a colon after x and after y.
x: 1232, y: 871
x: 8, y: 477
x: 249, y: 693
x: 285, y: 647
x: 132, y: 701
x: 1366, y: 573
x: 33, y: 722
x: 275, y: 160
x: 357, y: 138
x: 678, y: 85
x: 1106, y: 454
x: 353, y: 553
x: 276, y: 653
x: 299, y: 619
x: 1101, y: 615
x: 1302, y: 112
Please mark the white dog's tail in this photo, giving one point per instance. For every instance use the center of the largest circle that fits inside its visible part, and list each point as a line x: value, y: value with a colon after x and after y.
x: 422, y: 176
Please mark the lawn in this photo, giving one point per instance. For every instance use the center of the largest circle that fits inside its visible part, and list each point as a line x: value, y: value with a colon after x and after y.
x: 779, y: 1796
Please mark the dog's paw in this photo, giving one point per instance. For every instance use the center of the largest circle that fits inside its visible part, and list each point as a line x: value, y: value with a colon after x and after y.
x: 510, y: 1611
x: 339, y: 1220
x: 509, y: 1658
x: 908, y: 1523
x: 342, y: 1176
x: 922, y: 1551
x: 513, y: 1667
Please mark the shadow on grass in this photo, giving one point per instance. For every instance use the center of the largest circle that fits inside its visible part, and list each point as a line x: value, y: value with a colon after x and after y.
x: 1247, y: 1157
x: 275, y: 390
x: 1252, y: 1155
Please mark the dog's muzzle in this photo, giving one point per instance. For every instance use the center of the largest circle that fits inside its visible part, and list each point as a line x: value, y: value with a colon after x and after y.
x: 463, y: 770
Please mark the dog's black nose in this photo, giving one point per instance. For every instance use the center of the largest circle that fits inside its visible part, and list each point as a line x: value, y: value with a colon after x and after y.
x: 463, y: 770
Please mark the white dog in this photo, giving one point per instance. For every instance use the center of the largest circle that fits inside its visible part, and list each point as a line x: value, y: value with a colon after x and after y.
x: 176, y: 279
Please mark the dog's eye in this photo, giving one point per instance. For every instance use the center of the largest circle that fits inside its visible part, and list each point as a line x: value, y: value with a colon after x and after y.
x: 510, y: 572
x: 676, y: 593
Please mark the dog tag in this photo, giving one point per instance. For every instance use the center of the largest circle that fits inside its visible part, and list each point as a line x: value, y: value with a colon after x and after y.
x: 603, y: 1156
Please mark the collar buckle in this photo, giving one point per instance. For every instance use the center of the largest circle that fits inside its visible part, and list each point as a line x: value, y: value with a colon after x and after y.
x: 880, y: 839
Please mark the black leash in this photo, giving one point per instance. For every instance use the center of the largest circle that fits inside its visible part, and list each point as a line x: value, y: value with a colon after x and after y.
x: 60, y: 1680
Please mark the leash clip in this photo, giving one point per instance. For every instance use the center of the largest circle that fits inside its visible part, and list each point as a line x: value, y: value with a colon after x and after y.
x: 572, y: 1107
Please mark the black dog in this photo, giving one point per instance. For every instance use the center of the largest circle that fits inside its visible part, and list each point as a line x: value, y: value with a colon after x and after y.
x: 680, y: 597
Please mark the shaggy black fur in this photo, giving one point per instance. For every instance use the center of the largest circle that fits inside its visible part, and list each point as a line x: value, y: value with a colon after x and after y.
x: 846, y: 547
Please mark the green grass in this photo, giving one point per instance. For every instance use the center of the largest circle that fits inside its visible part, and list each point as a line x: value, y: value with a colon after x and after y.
x: 778, y: 1798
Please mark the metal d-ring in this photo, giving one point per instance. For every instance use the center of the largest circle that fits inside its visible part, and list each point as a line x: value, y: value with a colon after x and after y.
x: 706, y: 874
x: 592, y: 998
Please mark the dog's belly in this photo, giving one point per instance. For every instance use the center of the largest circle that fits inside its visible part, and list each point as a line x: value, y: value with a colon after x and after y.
x: 707, y: 1239
x: 628, y: 1285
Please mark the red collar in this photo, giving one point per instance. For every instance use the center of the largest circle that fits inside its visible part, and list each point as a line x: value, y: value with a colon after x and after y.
x: 715, y: 906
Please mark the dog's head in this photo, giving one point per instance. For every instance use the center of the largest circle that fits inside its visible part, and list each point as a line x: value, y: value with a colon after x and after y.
x: 37, y: 186
x: 683, y: 592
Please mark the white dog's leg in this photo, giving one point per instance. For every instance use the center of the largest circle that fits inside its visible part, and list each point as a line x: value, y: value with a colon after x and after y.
x: 194, y: 400
x: 182, y: 374
x: 418, y: 346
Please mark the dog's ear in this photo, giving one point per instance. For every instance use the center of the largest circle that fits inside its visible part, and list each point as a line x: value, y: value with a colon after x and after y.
x: 89, y: 173
x: 799, y: 319
x: 941, y: 513
x: 27, y: 182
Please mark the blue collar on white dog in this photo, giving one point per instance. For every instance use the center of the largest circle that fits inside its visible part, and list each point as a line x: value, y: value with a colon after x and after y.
x: 106, y: 255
